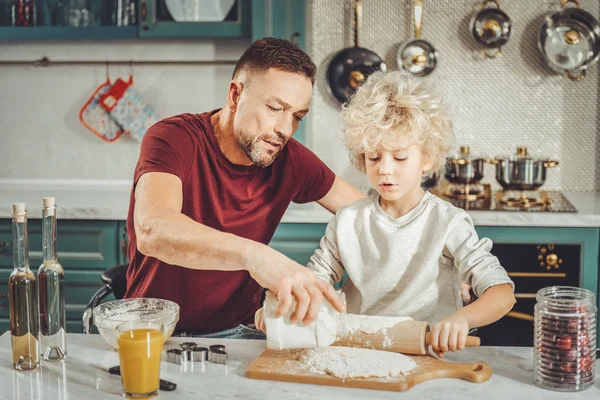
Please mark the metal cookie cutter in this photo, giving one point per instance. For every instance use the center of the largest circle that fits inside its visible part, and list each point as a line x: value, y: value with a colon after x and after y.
x: 217, y: 354
x: 177, y: 356
x: 198, y: 354
x: 188, y: 345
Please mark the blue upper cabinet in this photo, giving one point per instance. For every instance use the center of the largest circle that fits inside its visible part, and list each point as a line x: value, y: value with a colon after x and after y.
x: 124, y: 19
x: 193, y: 19
x: 284, y: 19
x: 68, y: 19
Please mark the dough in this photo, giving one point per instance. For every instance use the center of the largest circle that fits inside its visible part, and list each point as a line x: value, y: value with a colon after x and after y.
x: 351, y: 362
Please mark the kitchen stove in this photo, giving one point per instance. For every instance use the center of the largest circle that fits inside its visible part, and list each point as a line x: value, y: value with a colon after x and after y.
x: 478, y: 197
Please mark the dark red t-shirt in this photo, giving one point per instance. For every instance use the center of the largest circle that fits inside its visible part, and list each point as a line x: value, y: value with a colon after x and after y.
x: 247, y: 201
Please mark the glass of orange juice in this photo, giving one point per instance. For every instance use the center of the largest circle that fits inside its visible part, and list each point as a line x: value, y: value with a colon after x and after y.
x: 140, y: 347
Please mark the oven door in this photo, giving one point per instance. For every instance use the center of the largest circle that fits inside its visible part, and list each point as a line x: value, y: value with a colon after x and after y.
x: 531, y: 267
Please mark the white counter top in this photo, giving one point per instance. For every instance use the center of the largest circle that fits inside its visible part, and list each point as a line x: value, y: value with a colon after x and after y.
x: 109, y: 200
x: 83, y: 376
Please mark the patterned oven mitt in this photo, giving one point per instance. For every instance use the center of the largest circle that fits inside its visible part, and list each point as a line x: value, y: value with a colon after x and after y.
x: 94, y: 117
x: 128, y: 109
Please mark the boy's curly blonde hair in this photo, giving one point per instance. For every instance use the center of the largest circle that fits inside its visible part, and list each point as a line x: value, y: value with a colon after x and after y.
x: 390, y: 108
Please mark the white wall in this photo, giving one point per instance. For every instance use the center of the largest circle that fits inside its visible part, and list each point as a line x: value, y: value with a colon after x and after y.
x: 40, y: 132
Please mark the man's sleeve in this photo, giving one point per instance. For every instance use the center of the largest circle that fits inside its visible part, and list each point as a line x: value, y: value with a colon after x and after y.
x: 314, y: 178
x: 166, y: 147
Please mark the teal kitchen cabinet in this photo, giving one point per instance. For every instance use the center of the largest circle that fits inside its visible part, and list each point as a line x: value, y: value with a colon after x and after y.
x: 68, y: 20
x: 85, y: 249
x: 156, y: 21
x: 99, y: 19
x: 284, y: 19
x: 533, y: 257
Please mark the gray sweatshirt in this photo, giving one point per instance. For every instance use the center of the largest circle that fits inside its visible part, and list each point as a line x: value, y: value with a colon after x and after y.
x: 411, y: 266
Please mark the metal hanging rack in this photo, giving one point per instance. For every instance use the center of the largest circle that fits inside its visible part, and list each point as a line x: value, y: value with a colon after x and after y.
x: 46, y: 62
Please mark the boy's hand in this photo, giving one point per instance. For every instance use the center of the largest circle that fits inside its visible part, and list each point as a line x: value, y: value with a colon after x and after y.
x: 464, y: 294
x: 449, y: 334
x: 259, y: 320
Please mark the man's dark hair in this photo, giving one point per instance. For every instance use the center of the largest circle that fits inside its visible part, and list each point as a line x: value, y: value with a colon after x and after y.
x: 276, y: 53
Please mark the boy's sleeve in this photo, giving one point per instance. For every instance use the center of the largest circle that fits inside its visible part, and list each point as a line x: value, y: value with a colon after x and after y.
x: 476, y: 265
x: 325, y: 262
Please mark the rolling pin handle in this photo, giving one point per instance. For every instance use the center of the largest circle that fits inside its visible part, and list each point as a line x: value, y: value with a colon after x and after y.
x: 472, y: 341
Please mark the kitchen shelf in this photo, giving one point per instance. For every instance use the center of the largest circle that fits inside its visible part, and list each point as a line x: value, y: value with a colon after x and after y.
x: 68, y: 33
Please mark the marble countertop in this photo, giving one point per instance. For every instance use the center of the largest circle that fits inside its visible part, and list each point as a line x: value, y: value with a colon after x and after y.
x: 109, y: 200
x: 83, y: 376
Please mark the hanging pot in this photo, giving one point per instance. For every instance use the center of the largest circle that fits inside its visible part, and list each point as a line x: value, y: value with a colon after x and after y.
x: 490, y: 28
x: 521, y: 171
x: 569, y: 40
x: 351, y: 66
x: 417, y: 56
x: 464, y: 168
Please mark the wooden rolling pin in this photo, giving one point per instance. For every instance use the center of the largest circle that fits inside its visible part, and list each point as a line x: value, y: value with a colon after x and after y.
x: 408, y: 337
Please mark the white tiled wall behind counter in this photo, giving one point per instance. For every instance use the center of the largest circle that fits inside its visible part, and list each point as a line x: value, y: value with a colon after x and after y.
x: 495, y: 104
x: 40, y: 132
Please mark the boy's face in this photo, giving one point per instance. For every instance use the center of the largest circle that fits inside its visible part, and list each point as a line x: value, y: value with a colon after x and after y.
x: 396, y: 174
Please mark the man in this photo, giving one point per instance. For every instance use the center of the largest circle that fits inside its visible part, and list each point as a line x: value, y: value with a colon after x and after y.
x: 210, y: 189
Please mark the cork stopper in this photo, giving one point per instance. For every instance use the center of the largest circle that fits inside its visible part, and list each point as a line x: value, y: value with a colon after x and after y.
x: 49, y: 201
x: 49, y: 205
x: 19, y: 211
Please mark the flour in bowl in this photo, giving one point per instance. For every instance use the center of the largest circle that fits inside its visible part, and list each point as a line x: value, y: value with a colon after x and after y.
x: 351, y: 362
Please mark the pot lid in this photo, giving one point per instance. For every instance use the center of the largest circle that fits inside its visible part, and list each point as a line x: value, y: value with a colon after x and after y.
x: 464, y: 156
x: 418, y: 57
x: 491, y: 26
x: 522, y: 154
x: 567, y: 47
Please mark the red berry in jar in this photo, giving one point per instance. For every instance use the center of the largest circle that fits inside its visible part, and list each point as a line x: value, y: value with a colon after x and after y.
x: 564, y: 342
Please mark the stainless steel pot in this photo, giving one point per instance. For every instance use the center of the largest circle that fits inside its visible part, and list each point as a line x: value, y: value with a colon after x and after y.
x: 429, y: 181
x: 490, y: 27
x: 521, y: 171
x: 464, y: 168
x: 569, y: 40
x: 417, y: 55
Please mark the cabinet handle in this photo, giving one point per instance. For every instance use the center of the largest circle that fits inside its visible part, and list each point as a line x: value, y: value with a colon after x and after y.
x: 295, y: 37
x: 538, y: 274
x: 123, y: 249
x: 520, y: 315
x: 144, y: 13
x: 5, y: 249
x: 525, y: 295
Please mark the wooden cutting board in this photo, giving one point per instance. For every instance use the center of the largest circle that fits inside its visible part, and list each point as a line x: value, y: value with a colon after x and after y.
x: 283, y: 366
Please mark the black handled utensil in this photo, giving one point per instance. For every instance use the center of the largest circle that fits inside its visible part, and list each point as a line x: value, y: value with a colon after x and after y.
x: 164, y: 385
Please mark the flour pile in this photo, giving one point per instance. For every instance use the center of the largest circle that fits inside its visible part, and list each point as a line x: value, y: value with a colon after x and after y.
x: 351, y: 362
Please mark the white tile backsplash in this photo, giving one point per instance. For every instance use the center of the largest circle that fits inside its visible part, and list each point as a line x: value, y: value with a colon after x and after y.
x: 495, y: 105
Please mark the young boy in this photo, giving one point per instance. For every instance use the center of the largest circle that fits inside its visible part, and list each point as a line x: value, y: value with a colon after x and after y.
x: 405, y: 251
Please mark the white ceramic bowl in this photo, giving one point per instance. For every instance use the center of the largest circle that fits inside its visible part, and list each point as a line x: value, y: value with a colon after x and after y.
x: 107, y: 316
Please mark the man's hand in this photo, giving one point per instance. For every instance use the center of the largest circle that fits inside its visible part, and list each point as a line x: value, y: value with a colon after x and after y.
x: 449, y: 334
x: 291, y: 281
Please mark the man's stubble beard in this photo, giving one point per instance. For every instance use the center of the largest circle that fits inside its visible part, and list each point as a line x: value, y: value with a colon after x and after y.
x: 251, y: 146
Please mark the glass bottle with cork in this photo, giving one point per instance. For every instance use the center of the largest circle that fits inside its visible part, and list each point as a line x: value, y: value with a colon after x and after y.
x: 24, y: 314
x: 51, y: 277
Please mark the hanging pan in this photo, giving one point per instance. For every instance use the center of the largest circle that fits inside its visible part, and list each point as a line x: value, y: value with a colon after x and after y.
x: 569, y: 40
x: 416, y: 55
x: 490, y: 27
x: 351, y: 66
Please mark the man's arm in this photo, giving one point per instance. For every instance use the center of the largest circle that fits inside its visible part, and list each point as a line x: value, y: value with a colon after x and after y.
x: 163, y: 232
x: 341, y: 194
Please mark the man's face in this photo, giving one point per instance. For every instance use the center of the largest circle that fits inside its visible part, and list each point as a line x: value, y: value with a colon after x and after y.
x: 269, y: 111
